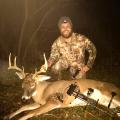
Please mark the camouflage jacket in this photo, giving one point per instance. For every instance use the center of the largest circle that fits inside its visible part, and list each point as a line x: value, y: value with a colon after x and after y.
x: 74, y: 51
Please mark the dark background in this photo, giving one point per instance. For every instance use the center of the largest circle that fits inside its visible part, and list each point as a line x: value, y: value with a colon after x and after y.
x: 29, y: 27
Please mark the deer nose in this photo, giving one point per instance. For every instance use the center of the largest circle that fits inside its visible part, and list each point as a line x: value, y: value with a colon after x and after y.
x: 25, y: 98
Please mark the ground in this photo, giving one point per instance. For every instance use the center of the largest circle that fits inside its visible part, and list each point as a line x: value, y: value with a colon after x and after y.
x: 11, y: 92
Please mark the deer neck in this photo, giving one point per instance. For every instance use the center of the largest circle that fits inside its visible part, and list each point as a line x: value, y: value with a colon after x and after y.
x: 40, y: 87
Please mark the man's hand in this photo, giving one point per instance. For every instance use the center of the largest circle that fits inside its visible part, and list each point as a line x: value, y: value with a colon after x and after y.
x: 85, y: 69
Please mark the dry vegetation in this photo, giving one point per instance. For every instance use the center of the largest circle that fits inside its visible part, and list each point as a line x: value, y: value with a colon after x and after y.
x: 11, y: 91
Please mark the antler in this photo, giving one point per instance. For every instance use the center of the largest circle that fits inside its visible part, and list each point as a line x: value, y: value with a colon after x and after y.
x: 42, y: 69
x: 14, y: 66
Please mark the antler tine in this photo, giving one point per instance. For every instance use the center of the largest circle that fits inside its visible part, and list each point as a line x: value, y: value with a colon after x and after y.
x: 35, y: 70
x: 22, y: 68
x: 15, y: 61
x: 10, y: 60
x: 41, y: 69
x: 14, y: 66
x: 46, y: 64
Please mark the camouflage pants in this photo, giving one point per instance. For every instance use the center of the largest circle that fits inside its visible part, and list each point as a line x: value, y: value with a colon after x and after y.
x: 63, y: 65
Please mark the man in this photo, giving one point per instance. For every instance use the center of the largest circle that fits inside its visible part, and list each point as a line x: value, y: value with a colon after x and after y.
x: 68, y: 51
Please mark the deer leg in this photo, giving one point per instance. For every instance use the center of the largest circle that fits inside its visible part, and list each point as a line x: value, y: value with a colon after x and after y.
x: 43, y: 109
x: 24, y: 108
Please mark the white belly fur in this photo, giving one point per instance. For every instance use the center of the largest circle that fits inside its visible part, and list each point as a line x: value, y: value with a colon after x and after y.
x: 103, y: 100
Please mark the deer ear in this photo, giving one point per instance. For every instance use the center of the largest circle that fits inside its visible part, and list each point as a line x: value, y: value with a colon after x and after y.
x: 43, y: 77
x: 20, y: 75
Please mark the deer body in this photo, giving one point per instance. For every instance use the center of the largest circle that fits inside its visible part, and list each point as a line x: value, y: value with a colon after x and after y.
x: 103, y: 89
x: 47, y: 95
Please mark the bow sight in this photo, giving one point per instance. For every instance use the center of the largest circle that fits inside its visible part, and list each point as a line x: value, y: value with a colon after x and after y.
x: 75, y: 91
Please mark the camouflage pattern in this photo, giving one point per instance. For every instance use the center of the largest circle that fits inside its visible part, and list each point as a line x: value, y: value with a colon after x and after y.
x: 72, y: 54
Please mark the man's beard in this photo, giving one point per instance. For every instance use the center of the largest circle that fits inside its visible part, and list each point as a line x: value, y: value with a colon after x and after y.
x: 66, y: 35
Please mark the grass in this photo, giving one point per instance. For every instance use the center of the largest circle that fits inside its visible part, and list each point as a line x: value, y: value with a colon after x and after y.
x: 11, y: 92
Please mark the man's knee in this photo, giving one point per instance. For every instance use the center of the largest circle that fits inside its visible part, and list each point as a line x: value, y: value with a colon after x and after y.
x: 77, y: 74
x: 59, y: 66
x: 56, y: 68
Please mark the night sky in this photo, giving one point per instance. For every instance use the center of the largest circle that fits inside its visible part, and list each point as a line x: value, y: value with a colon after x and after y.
x: 29, y: 27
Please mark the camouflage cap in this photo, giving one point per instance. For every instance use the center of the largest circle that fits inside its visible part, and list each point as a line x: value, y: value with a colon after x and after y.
x: 64, y: 20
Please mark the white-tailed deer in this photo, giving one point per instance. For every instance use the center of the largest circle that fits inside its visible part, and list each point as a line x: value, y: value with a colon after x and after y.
x: 50, y: 95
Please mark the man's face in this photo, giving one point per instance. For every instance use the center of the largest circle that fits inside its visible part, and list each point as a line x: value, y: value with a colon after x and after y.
x: 66, y: 30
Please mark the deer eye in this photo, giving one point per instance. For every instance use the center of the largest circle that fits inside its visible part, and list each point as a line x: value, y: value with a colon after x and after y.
x: 32, y: 85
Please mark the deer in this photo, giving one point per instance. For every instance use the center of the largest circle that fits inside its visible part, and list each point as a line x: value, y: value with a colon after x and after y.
x: 48, y: 95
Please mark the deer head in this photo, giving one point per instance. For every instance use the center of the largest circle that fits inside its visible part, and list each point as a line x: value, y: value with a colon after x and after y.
x: 30, y: 80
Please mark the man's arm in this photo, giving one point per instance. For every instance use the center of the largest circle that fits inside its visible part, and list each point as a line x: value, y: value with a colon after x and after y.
x: 54, y: 56
x: 90, y: 47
